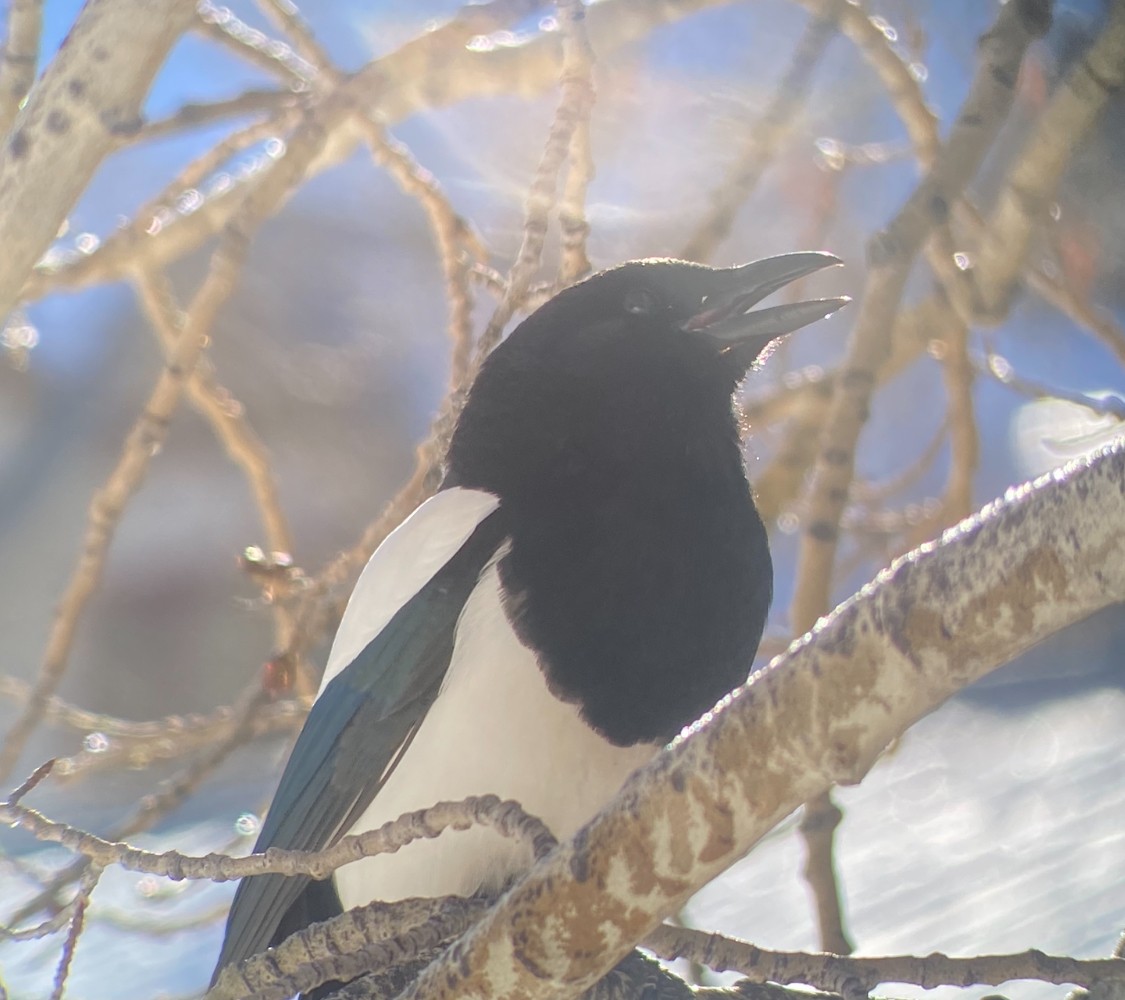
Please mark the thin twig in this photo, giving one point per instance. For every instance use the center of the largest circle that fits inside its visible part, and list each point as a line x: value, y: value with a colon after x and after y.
x: 138, y: 922
x: 875, y: 492
x: 146, y: 436
x: 31, y: 781
x: 190, y: 736
x: 894, y: 73
x: 763, y: 138
x: 458, y: 245
x: 955, y: 292
x: 841, y: 974
x: 782, y: 480
x: 46, y: 928
x: 77, y: 920
x: 997, y: 367
x: 287, y: 18
x: 575, y: 101
x: 170, y: 794
x: 162, y: 221
x: 247, y: 709
x: 83, y: 720
x: 189, y: 116
x: 578, y: 62
x: 225, y: 416
x: 506, y: 818
x: 225, y: 266
x: 141, y: 444
x: 434, y: 70
x: 317, y: 610
x: 1085, y: 315
x: 223, y: 26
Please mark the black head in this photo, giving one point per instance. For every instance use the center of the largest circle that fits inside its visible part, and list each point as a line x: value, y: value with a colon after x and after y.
x: 649, y: 351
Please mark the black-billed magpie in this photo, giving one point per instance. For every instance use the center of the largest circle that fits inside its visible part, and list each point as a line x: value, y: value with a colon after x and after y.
x: 590, y: 578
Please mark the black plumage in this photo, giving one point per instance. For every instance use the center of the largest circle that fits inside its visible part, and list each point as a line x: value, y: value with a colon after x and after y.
x: 592, y: 577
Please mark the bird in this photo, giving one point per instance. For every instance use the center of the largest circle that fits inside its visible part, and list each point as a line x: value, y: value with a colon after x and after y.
x: 591, y: 576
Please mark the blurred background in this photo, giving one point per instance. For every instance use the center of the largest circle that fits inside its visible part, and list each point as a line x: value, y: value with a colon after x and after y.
x: 724, y: 131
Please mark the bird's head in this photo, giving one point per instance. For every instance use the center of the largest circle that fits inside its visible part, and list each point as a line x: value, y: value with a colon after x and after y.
x: 704, y: 308
x: 631, y: 362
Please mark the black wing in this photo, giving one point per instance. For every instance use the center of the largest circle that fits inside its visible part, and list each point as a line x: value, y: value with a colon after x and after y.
x: 352, y: 736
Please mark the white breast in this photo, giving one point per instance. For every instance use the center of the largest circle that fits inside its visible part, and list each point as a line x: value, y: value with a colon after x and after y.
x: 494, y: 728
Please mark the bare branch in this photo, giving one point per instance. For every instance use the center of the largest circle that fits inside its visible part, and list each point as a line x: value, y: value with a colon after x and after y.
x: 1083, y: 314
x: 506, y: 818
x: 225, y: 416
x: 65, y: 130
x: 376, y: 936
x: 896, y: 75
x: 317, y: 610
x: 52, y: 925
x: 578, y: 61
x: 158, y: 232
x: 458, y: 246
x: 224, y: 27
x: 105, y: 510
x: 764, y: 137
x: 141, y: 923
x: 891, y: 254
x: 19, y: 56
x: 1074, y: 107
x: 143, y: 744
x: 998, y: 367
x: 31, y: 781
x: 151, y: 427
x: 287, y: 19
x: 432, y: 71
x: 77, y: 921
x: 964, y: 438
x: 849, y: 975
x: 245, y: 715
x: 575, y: 101
x: 253, y: 102
x: 818, y: 829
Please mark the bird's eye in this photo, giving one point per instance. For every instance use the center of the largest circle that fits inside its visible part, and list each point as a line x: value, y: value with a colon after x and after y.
x: 639, y: 302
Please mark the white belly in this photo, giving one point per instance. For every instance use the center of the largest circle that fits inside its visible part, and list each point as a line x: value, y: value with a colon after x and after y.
x: 494, y: 728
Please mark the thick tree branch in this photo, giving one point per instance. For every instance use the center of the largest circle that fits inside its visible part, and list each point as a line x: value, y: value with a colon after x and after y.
x: 89, y: 97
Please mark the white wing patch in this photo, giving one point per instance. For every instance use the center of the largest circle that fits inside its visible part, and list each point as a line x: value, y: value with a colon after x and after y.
x: 494, y: 728
x: 402, y: 565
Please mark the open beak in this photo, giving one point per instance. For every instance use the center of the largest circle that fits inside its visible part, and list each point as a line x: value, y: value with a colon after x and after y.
x: 726, y: 318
